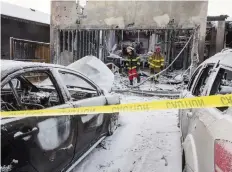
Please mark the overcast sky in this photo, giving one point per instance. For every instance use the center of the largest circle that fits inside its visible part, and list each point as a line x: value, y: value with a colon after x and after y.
x: 216, y: 7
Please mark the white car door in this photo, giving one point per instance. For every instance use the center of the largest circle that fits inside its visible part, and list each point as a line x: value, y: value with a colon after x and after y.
x: 183, y: 113
x: 195, y: 127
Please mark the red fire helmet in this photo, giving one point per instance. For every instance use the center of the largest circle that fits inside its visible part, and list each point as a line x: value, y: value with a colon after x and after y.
x: 157, y: 49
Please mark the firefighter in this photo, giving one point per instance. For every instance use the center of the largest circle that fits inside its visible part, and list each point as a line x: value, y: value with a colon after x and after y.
x: 156, y: 62
x: 132, y: 65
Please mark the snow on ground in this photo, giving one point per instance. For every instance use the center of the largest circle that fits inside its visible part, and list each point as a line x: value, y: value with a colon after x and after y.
x: 144, y: 142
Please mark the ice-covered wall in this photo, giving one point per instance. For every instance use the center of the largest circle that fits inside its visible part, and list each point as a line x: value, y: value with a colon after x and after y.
x: 130, y: 14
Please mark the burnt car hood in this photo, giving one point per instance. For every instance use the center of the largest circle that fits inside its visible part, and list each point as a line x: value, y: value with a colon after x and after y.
x: 95, y: 70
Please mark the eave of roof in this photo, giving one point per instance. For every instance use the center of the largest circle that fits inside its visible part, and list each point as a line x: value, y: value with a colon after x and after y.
x: 24, y: 14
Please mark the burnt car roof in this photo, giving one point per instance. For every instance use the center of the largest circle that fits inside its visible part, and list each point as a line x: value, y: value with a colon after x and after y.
x: 225, y: 58
x: 9, y: 66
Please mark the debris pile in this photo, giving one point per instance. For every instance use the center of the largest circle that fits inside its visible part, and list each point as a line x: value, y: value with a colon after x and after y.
x: 170, y: 85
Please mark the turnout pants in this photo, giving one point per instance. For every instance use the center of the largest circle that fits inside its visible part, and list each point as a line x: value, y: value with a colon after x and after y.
x: 133, y: 74
x: 153, y: 72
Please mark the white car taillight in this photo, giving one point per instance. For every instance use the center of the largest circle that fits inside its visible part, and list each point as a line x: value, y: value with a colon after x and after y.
x: 223, y: 156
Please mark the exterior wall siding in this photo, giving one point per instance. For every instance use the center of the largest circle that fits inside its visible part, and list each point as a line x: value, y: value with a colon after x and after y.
x: 22, y: 30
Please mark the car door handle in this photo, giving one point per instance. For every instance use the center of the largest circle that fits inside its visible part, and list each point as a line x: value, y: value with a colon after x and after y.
x: 21, y: 134
x: 190, y: 114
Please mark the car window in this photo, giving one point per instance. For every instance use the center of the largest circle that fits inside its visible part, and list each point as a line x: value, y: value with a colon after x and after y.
x: 30, y: 94
x: 193, y: 78
x: 222, y: 84
x: 78, y: 87
x: 202, y: 81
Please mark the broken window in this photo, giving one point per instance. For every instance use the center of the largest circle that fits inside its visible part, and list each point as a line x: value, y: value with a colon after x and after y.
x: 78, y: 87
x: 30, y: 90
x: 222, y: 84
x: 202, y: 81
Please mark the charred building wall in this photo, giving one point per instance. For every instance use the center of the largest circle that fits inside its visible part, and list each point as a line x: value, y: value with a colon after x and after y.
x: 11, y: 27
x: 67, y: 15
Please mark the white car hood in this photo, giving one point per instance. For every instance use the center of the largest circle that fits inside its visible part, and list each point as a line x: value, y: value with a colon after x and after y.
x: 95, y: 70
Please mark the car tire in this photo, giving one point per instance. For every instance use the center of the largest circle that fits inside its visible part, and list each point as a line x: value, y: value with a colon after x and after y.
x: 113, y: 124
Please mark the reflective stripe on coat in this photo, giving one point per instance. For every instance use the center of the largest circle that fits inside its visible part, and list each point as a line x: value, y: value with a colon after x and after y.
x: 132, y: 62
x: 156, y: 61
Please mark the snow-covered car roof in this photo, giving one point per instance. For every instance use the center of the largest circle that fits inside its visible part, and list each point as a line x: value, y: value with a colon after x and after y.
x: 89, y: 66
x: 96, y: 70
x: 10, y: 66
x: 225, y: 58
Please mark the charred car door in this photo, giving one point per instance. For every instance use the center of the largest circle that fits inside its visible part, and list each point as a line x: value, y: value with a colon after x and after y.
x: 84, y: 93
x: 46, y: 143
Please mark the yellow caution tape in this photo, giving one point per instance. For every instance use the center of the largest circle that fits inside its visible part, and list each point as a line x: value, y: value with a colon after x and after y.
x: 186, y: 103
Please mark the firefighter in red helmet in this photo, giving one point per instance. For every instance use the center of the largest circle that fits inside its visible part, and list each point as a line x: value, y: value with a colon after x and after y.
x: 156, y: 62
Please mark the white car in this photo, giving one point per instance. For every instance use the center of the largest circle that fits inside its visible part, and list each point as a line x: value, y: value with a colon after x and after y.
x: 207, y: 132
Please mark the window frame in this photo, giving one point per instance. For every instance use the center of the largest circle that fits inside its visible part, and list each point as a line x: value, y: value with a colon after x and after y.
x: 193, y: 78
x: 47, y: 70
x: 211, y: 85
x: 58, y: 72
x: 216, y: 74
x: 199, y: 77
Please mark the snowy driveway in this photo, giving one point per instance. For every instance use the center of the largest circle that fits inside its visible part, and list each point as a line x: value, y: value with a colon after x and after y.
x: 144, y: 142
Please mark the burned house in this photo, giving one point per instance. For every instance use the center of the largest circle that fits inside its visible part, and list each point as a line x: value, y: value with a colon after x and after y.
x: 218, y: 34
x: 96, y: 28
x: 25, y: 34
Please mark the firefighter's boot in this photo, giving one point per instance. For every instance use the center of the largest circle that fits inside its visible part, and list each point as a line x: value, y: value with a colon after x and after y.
x: 156, y: 80
x: 131, y: 82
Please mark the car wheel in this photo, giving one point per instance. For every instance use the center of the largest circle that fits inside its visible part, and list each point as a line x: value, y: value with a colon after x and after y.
x: 113, y: 124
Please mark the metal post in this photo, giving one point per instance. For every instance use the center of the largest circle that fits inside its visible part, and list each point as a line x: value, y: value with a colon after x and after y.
x: 81, y: 44
x: 85, y: 42
x: 79, y: 47
x: 69, y: 41
x: 100, y: 45
x: 76, y: 45
x: 92, y: 44
x: 166, y: 47
x: 72, y: 43
x: 63, y: 40
x: 138, y: 35
x: 11, y: 48
x: 97, y: 36
x: 88, y: 42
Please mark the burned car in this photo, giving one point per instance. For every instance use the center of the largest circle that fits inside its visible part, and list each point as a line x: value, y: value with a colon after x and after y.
x: 206, y: 132
x: 52, y: 143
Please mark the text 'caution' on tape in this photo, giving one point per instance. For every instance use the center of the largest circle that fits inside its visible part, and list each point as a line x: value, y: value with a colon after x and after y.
x: 186, y: 103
